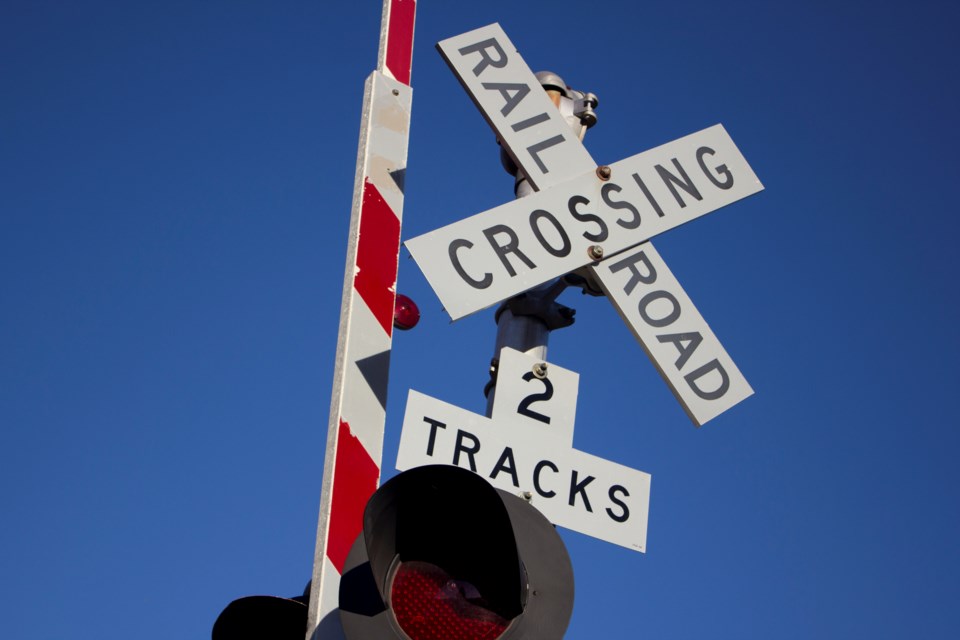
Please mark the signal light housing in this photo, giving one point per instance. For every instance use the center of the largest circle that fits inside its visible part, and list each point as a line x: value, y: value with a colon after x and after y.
x: 406, y: 314
x: 445, y: 556
x: 262, y: 618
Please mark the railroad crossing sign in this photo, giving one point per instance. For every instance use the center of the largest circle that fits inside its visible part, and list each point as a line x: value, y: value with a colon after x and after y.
x: 525, y: 448
x: 583, y: 213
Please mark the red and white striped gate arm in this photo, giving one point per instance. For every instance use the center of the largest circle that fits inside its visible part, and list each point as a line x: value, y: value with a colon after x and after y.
x: 351, y: 468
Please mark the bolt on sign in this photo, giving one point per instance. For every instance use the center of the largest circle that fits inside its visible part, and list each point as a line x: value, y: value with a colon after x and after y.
x: 585, y: 216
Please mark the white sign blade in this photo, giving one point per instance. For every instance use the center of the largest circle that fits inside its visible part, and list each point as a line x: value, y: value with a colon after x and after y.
x: 675, y: 336
x: 506, y: 91
x: 571, y: 488
x: 530, y: 396
x: 491, y: 256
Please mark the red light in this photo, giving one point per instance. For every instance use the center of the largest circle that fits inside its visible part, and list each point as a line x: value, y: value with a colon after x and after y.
x: 406, y: 315
x: 430, y: 604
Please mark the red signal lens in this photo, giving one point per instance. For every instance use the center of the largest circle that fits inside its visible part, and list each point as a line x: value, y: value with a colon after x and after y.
x: 406, y: 315
x: 430, y: 604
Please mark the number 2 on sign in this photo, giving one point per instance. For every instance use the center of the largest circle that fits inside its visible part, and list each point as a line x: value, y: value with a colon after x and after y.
x: 524, y: 407
x: 525, y: 396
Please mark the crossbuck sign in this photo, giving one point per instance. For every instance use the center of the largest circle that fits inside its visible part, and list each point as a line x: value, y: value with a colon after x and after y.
x: 580, y: 213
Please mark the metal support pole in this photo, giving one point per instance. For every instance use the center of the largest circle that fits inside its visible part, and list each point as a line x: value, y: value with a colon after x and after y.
x: 351, y: 469
x: 526, y: 333
x: 524, y: 322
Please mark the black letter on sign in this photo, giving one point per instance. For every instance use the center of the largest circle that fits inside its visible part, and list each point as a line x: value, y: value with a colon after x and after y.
x: 536, y: 477
x: 686, y: 184
x: 535, y: 150
x: 693, y: 376
x: 572, y: 205
x: 529, y: 122
x: 504, y: 249
x: 722, y: 169
x: 580, y: 488
x: 635, y: 276
x: 433, y: 433
x: 460, y: 243
x: 535, y: 218
x: 623, y: 505
x: 646, y: 192
x: 481, y: 48
x: 511, y: 468
x: 632, y: 223
x: 461, y: 436
x: 670, y: 318
x: 512, y: 93
x: 686, y: 344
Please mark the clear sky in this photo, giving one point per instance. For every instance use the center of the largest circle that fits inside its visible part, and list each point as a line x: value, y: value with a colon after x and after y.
x: 175, y: 188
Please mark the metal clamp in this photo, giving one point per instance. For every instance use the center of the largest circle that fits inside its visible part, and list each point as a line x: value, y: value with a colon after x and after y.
x: 542, y: 305
x: 583, y: 108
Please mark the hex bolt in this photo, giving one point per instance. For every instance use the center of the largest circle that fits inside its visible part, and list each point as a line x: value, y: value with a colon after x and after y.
x: 540, y: 370
x: 595, y: 252
x: 604, y: 172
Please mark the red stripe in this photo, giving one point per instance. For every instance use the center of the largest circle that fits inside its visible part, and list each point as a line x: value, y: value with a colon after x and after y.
x: 400, y: 39
x: 378, y: 248
x: 355, y: 478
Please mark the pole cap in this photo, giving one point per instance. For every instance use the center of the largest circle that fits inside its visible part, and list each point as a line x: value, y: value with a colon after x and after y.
x: 549, y: 80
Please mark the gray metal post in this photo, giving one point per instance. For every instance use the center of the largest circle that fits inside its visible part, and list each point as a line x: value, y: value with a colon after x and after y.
x: 526, y: 333
x: 524, y: 322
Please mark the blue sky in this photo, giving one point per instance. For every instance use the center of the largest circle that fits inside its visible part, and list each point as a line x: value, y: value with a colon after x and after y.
x: 175, y: 187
